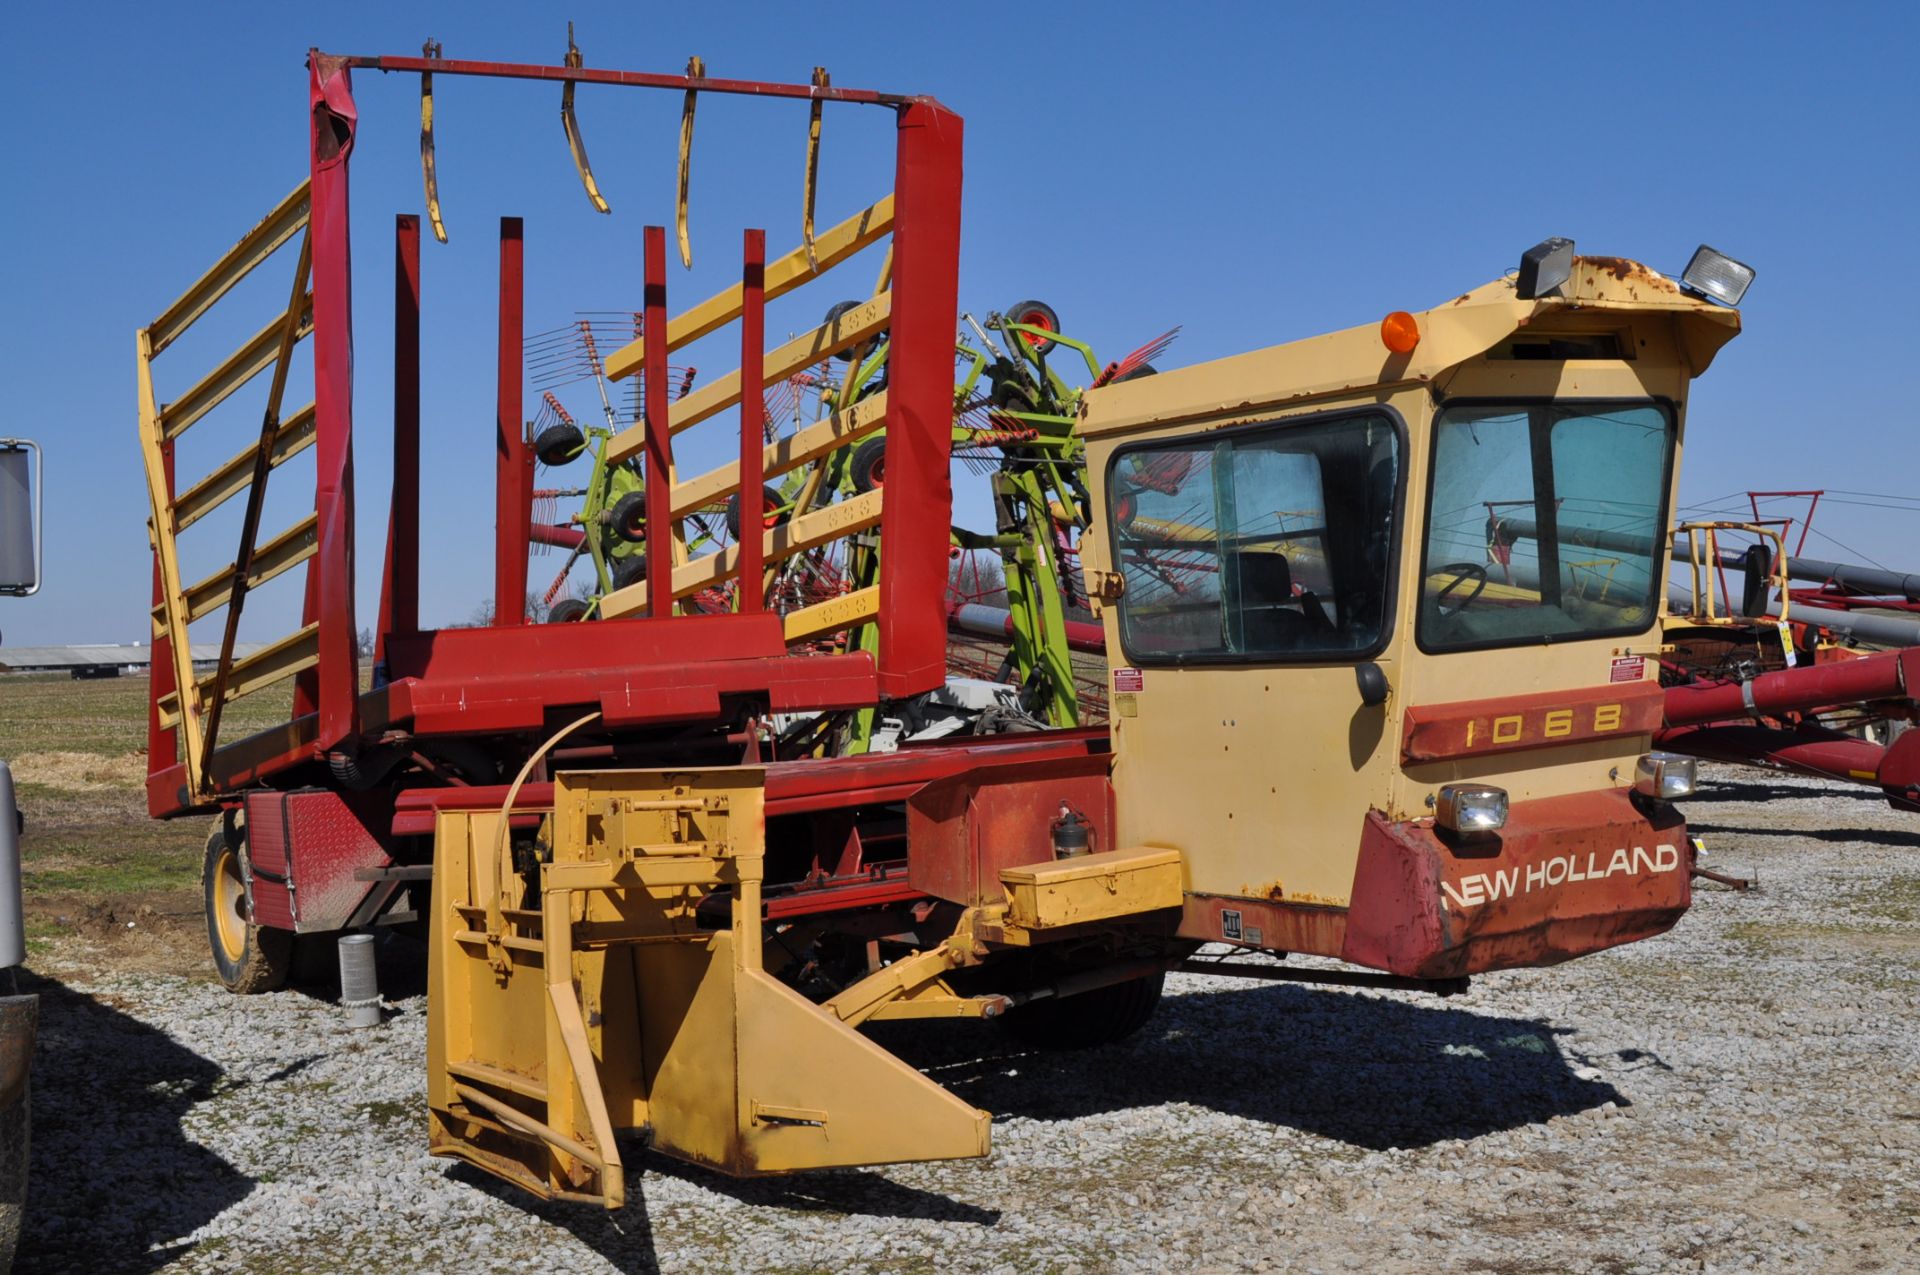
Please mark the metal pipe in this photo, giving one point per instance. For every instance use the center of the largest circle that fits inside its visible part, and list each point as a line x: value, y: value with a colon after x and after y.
x: 1806, y: 750
x: 1863, y: 580
x: 994, y: 622
x: 623, y: 79
x: 1884, y: 675
x: 1583, y: 537
x: 1884, y: 630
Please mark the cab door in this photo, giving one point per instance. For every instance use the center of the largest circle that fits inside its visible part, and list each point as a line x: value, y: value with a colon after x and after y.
x: 1256, y: 562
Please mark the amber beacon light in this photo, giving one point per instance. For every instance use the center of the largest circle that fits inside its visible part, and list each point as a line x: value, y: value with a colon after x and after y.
x: 1399, y: 332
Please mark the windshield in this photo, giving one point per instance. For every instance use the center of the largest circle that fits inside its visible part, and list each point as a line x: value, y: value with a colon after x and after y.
x: 1265, y: 543
x: 1546, y: 523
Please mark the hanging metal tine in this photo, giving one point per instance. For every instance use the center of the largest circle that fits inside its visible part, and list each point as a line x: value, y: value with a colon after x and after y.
x: 430, y: 50
x: 571, y: 124
x: 821, y: 80
x: 696, y: 70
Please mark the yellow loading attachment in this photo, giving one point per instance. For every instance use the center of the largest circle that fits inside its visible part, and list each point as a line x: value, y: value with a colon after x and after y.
x: 595, y: 1004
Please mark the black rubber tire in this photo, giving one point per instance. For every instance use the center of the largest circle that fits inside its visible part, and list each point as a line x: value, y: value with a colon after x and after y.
x: 1099, y: 1017
x: 771, y: 501
x: 834, y: 311
x: 631, y: 569
x: 567, y: 611
x: 1037, y: 314
x: 867, y: 469
x: 265, y: 956
x: 558, y: 444
x: 629, y: 517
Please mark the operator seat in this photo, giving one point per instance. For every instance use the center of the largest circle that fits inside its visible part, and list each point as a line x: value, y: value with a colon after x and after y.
x: 1273, y: 618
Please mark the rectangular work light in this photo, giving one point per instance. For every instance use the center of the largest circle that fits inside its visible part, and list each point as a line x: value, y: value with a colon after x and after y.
x: 1664, y: 776
x: 1544, y: 267
x: 1716, y: 276
x: 1470, y: 809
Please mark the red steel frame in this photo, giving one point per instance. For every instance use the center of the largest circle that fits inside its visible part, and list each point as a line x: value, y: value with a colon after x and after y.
x: 639, y: 672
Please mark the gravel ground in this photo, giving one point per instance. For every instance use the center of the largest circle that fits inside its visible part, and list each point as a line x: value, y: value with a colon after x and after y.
x: 1738, y: 1094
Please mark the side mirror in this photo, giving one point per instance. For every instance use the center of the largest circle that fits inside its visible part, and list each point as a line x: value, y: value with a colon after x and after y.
x: 20, y: 516
x: 1373, y: 684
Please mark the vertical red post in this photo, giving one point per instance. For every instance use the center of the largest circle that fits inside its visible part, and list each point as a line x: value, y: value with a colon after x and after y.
x: 513, y: 485
x: 753, y: 421
x: 163, y: 746
x: 659, y: 430
x: 400, y: 582
x: 912, y: 655
x: 330, y: 571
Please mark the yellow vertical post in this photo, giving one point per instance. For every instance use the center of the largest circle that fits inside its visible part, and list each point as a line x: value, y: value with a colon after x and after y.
x: 174, y: 604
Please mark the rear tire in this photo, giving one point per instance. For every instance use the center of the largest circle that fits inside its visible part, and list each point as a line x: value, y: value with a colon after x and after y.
x: 248, y: 958
x: 1098, y: 1017
x: 567, y: 611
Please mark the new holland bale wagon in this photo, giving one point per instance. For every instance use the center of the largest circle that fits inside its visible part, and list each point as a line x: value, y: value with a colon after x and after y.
x: 657, y: 907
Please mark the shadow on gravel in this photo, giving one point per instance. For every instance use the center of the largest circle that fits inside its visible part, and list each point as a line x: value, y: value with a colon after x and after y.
x: 1759, y: 791
x: 1850, y: 836
x: 1372, y: 1072
x: 115, y: 1185
x: 626, y: 1238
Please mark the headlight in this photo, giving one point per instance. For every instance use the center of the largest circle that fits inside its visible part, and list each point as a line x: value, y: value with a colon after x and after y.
x: 1664, y: 776
x: 1470, y: 808
x: 1716, y: 276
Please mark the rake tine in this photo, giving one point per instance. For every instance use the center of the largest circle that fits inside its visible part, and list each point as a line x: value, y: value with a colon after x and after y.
x: 821, y: 80
x: 570, y: 124
x: 696, y: 70
x: 431, y: 49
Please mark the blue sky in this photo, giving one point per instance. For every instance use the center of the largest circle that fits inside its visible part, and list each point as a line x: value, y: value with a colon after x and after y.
x: 1255, y: 173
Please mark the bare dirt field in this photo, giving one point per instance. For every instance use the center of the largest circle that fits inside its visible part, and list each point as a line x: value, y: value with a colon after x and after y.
x: 1740, y: 1094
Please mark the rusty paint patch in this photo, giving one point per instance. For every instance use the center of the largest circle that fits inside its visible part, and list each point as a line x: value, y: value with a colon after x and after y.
x: 1275, y: 927
x: 1625, y: 270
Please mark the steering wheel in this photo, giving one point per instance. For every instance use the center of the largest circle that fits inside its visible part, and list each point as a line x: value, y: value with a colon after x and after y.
x: 1461, y: 573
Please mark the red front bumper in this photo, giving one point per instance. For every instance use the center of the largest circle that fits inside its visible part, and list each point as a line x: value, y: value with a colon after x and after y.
x: 1566, y: 876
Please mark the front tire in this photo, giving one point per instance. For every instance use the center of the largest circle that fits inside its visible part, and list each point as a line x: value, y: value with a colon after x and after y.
x: 248, y: 958
x: 1101, y: 1016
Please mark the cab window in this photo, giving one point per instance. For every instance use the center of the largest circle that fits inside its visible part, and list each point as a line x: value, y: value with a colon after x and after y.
x: 1264, y: 544
x: 1546, y: 523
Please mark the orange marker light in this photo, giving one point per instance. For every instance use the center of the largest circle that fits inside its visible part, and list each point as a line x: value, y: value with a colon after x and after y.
x: 1399, y: 333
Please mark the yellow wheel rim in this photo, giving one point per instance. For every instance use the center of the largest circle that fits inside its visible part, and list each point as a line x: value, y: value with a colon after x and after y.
x: 229, y: 905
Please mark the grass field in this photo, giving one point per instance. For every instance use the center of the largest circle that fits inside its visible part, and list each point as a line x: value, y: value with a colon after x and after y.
x: 90, y: 856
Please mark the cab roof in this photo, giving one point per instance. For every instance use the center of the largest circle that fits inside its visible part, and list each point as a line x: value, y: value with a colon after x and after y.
x: 1454, y: 332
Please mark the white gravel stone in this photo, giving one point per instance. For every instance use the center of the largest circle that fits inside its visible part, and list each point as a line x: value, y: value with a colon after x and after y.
x: 1736, y: 1095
